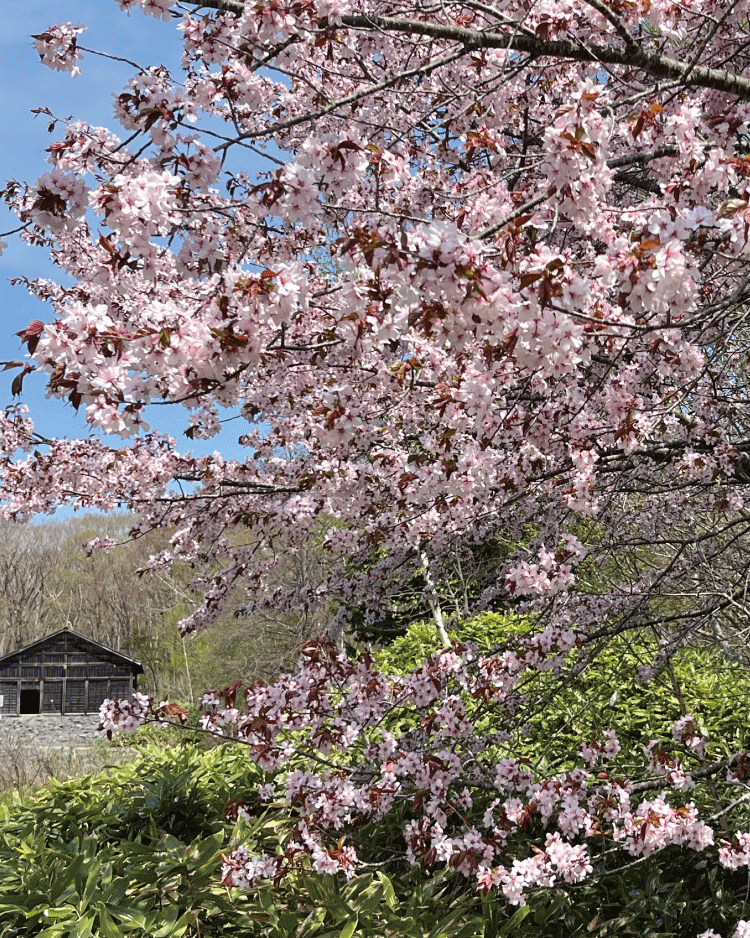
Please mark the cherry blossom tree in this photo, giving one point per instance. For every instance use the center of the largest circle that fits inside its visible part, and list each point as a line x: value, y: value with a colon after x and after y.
x: 489, y: 285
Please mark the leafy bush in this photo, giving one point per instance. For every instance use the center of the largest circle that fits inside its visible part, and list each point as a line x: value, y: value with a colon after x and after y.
x: 564, y: 707
x: 421, y: 639
x: 671, y: 893
x: 138, y: 851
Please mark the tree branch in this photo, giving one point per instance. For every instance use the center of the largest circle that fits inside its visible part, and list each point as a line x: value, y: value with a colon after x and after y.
x: 707, y: 770
x: 424, y: 69
x: 224, y: 6
x: 660, y: 66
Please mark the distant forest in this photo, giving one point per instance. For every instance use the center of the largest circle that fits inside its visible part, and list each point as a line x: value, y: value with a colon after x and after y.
x: 48, y: 580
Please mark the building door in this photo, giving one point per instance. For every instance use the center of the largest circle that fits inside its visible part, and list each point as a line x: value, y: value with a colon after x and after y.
x: 29, y: 700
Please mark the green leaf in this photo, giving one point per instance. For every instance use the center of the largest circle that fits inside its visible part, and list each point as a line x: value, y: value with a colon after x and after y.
x: 390, y: 895
x: 84, y: 927
x: 289, y: 922
x: 348, y: 930
x: 45, y: 912
x: 107, y: 927
x: 167, y: 919
x: 514, y: 921
x: 92, y: 882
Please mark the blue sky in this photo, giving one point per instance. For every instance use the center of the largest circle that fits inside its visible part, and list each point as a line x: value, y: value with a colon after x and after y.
x: 23, y: 140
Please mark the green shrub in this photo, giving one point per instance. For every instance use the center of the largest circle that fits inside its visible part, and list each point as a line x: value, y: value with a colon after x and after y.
x: 562, y: 709
x: 138, y: 853
x: 486, y: 631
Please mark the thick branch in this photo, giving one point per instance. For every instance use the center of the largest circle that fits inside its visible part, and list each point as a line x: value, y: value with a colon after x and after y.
x: 659, y: 66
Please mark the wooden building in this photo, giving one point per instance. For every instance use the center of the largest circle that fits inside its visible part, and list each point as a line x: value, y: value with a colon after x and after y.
x: 64, y: 673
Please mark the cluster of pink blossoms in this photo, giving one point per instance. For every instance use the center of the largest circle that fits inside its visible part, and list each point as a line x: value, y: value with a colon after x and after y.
x: 124, y: 716
x: 58, y: 47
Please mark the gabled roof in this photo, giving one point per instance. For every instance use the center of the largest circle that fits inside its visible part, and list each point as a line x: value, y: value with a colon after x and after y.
x: 135, y: 665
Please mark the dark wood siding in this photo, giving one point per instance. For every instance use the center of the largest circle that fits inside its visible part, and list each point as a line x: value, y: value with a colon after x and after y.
x: 52, y: 697
x: 119, y: 689
x: 9, y: 693
x: 75, y: 697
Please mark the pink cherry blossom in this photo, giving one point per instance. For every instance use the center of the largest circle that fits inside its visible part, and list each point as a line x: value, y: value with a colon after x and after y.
x: 57, y: 47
